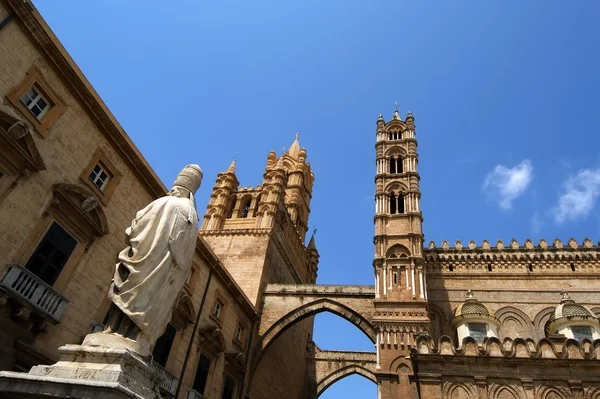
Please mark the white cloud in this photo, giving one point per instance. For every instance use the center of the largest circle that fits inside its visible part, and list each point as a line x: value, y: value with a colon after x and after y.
x: 579, y: 196
x: 506, y: 184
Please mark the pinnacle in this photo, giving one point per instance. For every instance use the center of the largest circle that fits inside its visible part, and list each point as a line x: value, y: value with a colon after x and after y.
x: 231, y: 168
x: 294, y: 148
x: 311, y: 243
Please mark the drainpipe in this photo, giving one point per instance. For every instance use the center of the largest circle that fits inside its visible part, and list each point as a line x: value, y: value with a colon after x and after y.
x: 189, y: 349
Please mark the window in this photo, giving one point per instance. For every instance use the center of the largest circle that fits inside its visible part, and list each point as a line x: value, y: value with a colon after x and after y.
x: 477, y: 331
x: 399, y: 168
x: 245, y: 209
x: 39, y: 103
x: 201, y: 374
x: 582, y: 332
x: 51, y: 254
x: 393, y: 203
x: 163, y: 345
x: 392, y: 165
x: 400, y: 203
x: 228, y: 388
x: 100, y: 176
x: 239, y: 333
x: 34, y: 101
x: 217, y: 309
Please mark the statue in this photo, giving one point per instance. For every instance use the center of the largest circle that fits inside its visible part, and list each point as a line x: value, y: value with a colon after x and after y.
x: 152, y: 269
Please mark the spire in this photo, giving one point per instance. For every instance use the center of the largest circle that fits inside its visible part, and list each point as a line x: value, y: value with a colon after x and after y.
x: 294, y: 148
x: 311, y: 243
x: 396, y: 115
x: 231, y: 168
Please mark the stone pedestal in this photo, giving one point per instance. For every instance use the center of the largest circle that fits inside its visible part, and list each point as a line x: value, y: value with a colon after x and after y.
x: 86, y: 372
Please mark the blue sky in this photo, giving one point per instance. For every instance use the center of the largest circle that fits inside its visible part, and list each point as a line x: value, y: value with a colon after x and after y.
x: 504, y: 94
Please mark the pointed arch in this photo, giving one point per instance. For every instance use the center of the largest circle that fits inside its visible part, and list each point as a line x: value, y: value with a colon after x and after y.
x: 344, y: 372
x: 311, y: 309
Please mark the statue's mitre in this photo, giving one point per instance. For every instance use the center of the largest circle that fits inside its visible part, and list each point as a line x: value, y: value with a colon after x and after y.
x: 190, y: 177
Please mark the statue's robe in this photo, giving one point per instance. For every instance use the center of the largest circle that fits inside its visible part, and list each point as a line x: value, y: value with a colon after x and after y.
x: 153, y: 268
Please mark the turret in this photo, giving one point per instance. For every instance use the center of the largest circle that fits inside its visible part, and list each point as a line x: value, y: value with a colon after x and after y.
x: 222, y: 199
x: 313, y: 256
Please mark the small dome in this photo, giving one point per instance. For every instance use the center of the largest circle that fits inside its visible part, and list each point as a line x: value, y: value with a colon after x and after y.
x: 471, y: 307
x: 569, y: 309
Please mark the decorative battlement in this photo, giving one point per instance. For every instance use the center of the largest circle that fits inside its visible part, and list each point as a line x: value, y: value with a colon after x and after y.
x: 518, y: 348
x: 555, y: 258
x: 513, y: 245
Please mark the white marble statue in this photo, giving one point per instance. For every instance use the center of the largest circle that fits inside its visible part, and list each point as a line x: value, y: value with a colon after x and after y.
x: 153, y: 268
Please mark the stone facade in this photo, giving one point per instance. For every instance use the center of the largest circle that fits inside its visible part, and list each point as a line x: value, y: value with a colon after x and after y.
x: 467, y: 321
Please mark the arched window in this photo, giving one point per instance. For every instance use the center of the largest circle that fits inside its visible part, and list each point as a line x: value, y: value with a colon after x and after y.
x: 400, y: 203
x: 393, y: 203
x: 245, y: 208
x: 399, y: 168
x: 392, y: 165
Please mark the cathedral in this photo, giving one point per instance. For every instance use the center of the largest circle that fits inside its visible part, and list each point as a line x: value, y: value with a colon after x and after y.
x: 474, y: 320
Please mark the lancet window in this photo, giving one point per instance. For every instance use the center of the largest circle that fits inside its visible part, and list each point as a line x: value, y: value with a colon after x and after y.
x: 395, y: 136
x: 396, y: 203
x: 245, y: 208
x: 396, y: 165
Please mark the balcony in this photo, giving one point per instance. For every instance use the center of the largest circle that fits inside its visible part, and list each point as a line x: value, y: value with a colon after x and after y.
x: 29, y: 291
x: 192, y: 394
x: 168, y: 382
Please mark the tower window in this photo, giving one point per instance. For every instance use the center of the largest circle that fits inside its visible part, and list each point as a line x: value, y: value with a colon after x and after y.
x: 530, y: 267
x: 572, y: 267
x: 489, y: 267
x: 393, y: 203
x: 245, y: 209
x: 399, y: 168
x: 395, y: 278
x: 400, y: 203
x: 450, y: 267
x: 392, y: 165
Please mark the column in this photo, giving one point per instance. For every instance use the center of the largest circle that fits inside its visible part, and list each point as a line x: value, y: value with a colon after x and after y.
x: 412, y: 277
x: 378, y: 356
x: 376, y: 284
x: 421, y: 283
x: 384, y: 279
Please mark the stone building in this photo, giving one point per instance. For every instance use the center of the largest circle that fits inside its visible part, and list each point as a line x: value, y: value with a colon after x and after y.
x: 463, y: 321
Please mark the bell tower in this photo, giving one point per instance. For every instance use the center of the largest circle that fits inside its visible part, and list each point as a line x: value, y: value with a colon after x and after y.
x: 400, y: 292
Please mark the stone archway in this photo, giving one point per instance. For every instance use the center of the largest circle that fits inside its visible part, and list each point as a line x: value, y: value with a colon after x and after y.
x: 343, y: 372
x: 313, y: 308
